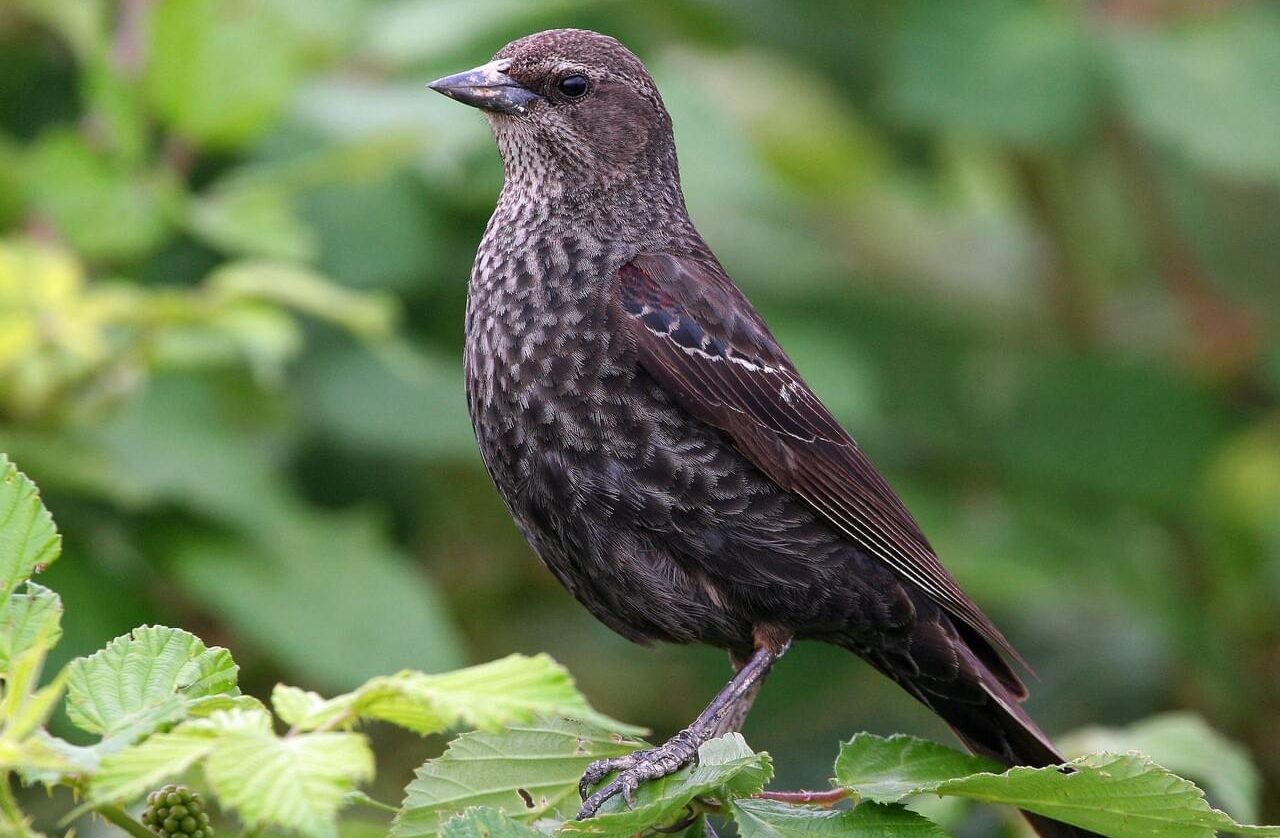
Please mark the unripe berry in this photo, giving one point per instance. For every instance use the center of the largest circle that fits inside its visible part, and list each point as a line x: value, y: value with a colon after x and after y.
x: 176, y: 812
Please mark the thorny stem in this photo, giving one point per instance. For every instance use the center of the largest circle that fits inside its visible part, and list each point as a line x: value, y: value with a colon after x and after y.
x: 10, y: 807
x: 120, y: 818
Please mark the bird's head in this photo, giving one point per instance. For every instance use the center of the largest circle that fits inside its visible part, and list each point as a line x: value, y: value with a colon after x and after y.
x: 574, y: 113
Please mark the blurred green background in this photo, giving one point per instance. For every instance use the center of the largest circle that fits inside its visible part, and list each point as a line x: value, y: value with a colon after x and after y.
x: 1029, y: 252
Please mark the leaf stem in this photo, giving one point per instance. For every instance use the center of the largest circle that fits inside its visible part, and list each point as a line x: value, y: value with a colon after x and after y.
x: 10, y: 807
x: 120, y: 818
x: 814, y: 798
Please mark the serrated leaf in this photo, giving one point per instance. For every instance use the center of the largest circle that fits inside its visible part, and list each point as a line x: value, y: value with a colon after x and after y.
x: 50, y: 760
x: 28, y: 538
x: 210, y: 704
x: 772, y: 819
x: 886, y: 769
x: 513, y: 689
x: 726, y: 769
x: 30, y: 617
x: 299, y: 708
x: 145, y: 679
x: 544, y: 760
x: 25, y: 707
x: 297, y: 782
x: 1120, y: 795
x: 1183, y: 743
x: 35, y: 759
x: 486, y: 822
x: 136, y: 770
x: 30, y: 712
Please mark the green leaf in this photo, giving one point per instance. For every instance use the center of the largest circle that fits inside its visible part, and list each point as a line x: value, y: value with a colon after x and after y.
x: 28, y: 539
x: 486, y: 822
x: 297, y: 782
x: 24, y: 705
x: 41, y: 758
x: 218, y: 72
x: 49, y: 760
x: 1185, y: 744
x: 514, y: 688
x: 144, y: 679
x: 1123, y: 796
x: 301, y: 708
x: 30, y: 617
x: 544, y: 760
x: 771, y: 819
x: 726, y: 769
x: 887, y: 769
x: 135, y: 771
x: 488, y: 696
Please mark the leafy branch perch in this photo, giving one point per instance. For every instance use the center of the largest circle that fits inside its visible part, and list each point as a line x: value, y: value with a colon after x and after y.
x: 164, y: 705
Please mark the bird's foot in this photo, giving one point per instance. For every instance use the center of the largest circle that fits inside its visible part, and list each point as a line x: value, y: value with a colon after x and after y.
x: 634, y: 769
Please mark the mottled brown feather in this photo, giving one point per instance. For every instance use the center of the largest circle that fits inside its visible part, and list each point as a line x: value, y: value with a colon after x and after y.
x: 735, y: 376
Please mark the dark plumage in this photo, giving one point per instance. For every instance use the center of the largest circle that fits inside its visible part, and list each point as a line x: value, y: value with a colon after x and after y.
x: 653, y: 441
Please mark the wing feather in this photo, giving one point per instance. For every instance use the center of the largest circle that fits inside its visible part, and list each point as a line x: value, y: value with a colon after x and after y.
x: 699, y: 337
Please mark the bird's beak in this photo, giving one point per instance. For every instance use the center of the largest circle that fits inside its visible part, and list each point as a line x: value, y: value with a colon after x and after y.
x: 487, y: 87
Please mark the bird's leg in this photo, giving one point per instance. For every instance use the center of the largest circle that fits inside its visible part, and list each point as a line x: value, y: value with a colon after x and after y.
x: 650, y: 764
x: 737, y: 714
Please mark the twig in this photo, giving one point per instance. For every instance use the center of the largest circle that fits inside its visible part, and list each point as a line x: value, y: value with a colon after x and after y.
x: 120, y: 818
x: 813, y: 798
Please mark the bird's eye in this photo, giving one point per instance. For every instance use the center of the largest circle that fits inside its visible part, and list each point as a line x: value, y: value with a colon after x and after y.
x: 573, y: 87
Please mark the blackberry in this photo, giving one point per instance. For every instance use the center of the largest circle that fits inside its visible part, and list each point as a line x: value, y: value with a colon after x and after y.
x: 176, y: 811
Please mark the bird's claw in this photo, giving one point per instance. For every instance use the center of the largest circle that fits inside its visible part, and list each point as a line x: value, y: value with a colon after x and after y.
x: 633, y: 770
x: 602, y: 768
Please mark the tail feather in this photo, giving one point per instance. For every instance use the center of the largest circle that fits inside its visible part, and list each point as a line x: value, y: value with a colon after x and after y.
x: 963, y: 679
x: 1003, y: 731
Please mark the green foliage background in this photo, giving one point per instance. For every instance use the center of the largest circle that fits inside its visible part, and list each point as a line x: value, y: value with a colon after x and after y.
x: 1028, y: 251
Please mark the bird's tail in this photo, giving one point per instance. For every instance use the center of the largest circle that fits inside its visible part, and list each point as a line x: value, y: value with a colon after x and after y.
x: 963, y: 679
x: 1003, y: 731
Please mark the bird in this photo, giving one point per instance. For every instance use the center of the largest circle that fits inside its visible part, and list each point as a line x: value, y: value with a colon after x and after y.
x: 656, y: 446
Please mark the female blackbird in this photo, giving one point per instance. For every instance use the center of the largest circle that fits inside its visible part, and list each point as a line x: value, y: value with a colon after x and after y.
x: 656, y: 446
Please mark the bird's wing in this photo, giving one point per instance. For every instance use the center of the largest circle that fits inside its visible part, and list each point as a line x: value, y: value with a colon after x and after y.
x: 702, y: 340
